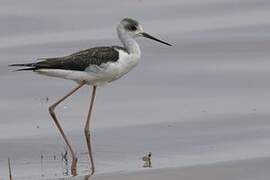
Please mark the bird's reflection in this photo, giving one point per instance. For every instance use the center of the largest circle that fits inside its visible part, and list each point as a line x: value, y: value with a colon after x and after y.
x: 87, y: 177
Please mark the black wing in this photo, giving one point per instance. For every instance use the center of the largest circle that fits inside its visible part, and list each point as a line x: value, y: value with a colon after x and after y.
x: 79, y: 60
x: 82, y: 59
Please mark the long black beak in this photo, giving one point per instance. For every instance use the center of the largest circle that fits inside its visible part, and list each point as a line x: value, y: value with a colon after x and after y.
x: 153, y: 38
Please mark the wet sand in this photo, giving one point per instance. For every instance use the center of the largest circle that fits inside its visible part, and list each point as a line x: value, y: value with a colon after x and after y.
x: 235, y: 170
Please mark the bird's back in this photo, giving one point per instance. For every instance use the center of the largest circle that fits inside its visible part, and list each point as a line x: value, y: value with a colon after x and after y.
x: 81, y: 60
x: 94, y: 65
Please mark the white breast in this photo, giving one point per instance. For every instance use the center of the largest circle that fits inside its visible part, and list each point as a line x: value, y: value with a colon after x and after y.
x: 114, y: 70
x: 127, y: 62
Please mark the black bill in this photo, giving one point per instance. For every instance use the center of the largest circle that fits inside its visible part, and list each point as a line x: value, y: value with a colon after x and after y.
x: 153, y: 38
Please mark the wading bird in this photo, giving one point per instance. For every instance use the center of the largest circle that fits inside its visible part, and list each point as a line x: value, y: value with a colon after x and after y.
x: 95, y: 66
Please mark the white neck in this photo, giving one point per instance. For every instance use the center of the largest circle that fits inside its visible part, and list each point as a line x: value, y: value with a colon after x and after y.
x: 130, y: 44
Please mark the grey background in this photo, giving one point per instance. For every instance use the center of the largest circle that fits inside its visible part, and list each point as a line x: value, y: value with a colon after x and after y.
x: 204, y: 100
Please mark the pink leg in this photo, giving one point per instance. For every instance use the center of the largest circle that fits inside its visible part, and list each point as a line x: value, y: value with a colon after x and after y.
x: 52, y: 113
x: 9, y: 170
x: 87, y: 130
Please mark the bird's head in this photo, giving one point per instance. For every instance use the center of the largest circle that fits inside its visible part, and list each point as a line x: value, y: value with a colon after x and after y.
x: 132, y: 28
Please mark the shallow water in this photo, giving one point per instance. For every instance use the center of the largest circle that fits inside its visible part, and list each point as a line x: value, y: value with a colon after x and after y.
x: 203, y: 100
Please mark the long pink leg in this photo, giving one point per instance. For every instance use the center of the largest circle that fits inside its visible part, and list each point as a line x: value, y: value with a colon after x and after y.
x: 9, y: 170
x: 52, y: 113
x: 87, y: 130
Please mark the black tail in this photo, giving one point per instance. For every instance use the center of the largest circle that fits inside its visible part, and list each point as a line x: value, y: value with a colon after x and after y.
x: 30, y: 65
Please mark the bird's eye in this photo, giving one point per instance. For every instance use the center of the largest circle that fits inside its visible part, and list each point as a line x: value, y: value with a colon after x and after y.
x: 131, y: 27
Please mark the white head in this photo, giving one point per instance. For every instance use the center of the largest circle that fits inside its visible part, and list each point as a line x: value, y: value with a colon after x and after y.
x: 129, y: 28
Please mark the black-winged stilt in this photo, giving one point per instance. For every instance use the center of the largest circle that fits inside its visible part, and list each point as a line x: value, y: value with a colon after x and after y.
x: 95, y: 66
